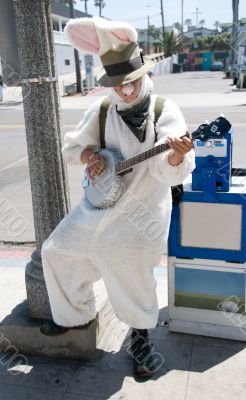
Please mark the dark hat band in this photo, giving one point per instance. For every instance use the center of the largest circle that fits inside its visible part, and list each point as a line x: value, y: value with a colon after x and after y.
x: 124, y: 67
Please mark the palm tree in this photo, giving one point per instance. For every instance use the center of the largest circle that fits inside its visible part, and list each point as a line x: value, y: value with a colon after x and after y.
x: 177, y: 25
x: 66, y: 2
x: 85, y: 1
x: 217, y: 25
x: 202, y: 22
x: 172, y: 44
x: 101, y: 4
x: 188, y: 22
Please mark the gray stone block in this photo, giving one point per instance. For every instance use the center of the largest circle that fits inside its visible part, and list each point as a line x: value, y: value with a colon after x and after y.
x: 21, y: 335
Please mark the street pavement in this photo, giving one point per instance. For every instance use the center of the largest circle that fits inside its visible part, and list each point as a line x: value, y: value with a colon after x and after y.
x: 201, y: 96
x: 194, y: 366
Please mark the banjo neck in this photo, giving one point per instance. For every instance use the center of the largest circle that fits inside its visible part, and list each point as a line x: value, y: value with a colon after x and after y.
x: 130, y: 162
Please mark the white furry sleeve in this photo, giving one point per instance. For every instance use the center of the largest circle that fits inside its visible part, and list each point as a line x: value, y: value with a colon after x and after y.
x: 85, y: 135
x: 171, y: 123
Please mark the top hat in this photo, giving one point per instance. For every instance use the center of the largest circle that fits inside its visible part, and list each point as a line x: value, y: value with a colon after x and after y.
x: 116, y: 44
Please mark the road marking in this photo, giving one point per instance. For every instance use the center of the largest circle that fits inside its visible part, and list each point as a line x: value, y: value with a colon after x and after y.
x: 74, y: 126
x: 23, y: 126
x: 11, y: 165
x: 13, y: 263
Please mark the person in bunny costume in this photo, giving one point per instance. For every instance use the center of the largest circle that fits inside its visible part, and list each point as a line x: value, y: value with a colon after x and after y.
x: 117, y: 243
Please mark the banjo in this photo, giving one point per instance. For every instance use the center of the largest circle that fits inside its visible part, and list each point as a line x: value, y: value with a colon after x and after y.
x: 104, y: 190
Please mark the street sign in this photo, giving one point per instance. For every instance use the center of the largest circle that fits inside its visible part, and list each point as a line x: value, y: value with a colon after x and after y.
x: 242, y: 56
x: 89, y: 69
x: 88, y: 60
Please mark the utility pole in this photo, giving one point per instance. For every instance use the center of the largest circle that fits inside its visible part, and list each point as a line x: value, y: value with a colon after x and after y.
x: 48, y: 175
x: 182, y: 20
x: 76, y: 53
x: 235, y: 32
x: 197, y: 15
x: 148, y: 36
x: 163, y: 26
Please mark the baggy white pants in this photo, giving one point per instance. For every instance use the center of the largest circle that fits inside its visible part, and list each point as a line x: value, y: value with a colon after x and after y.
x: 75, y: 255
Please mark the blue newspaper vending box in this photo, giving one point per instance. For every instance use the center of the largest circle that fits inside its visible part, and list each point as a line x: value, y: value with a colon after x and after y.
x: 207, y: 250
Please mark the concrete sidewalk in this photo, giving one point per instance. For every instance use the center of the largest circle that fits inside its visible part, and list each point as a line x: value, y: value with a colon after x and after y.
x: 184, y: 100
x: 222, y: 96
x: 194, y: 366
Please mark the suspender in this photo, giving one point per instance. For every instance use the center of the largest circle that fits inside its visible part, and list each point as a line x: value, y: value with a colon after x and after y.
x: 159, y: 104
x: 102, y: 120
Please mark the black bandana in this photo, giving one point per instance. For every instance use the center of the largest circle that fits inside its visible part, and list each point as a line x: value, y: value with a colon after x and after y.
x: 136, y: 118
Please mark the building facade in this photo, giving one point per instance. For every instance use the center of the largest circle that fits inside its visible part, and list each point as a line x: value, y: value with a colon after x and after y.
x: 63, y: 50
x: 198, y: 32
x: 227, y: 27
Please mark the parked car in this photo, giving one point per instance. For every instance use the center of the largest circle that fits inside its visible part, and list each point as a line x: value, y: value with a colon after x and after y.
x: 217, y: 66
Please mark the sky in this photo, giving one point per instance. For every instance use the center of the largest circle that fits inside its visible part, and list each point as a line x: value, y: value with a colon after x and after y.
x: 136, y: 11
x: 216, y: 283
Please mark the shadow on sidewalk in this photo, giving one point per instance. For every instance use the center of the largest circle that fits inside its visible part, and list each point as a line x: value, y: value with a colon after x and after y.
x: 110, y: 372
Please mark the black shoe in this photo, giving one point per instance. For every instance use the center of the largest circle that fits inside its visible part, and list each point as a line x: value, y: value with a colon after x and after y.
x: 141, y: 352
x: 50, y: 328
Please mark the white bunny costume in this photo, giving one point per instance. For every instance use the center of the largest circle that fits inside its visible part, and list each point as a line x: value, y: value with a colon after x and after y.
x: 124, y: 243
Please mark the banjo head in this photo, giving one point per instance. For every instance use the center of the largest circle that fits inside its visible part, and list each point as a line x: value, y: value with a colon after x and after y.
x: 104, y: 190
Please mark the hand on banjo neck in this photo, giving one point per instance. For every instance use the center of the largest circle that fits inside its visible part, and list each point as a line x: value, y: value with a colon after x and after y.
x: 180, y: 146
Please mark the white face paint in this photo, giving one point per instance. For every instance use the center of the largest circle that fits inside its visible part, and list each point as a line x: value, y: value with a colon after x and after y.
x: 128, y: 89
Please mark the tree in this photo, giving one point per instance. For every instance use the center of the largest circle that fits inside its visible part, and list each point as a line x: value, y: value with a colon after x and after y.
x: 85, y: 1
x: 218, y: 42
x: 154, y: 32
x: 172, y: 44
x: 188, y: 22
x: 66, y: 2
x: 100, y: 4
x: 199, y: 43
x: 202, y: 22
x: 217, y: 25
x: 177, y: 25
x: 221, y: 41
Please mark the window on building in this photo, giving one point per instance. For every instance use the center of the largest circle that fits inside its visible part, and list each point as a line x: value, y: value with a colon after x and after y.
x: 55, y: 25
x: 63, y: 26
x: 67, y: 62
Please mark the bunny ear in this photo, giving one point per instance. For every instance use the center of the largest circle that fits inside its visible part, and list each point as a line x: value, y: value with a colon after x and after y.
x: 98, y: 35
x: 82, y: 34
x: 124, y: 31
